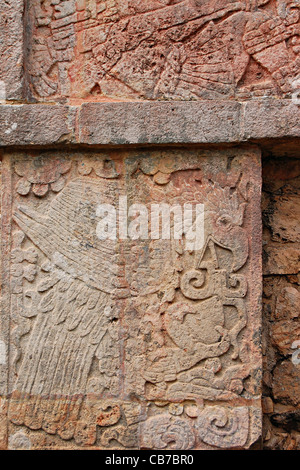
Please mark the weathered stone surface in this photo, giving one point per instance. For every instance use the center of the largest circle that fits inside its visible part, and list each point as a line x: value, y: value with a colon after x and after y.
x: 284, y: 218
x: 287, y: 304
x: 285, y: 327
x: 286, y: 386
x: 282, y: 174
x: 36, y: 125
x: 132, y: 343
x: 140, y: 123
x: 159, y: 123
x: 281, y: 260
x: 173, y: 49
x: 270, y: 119
x: 281, y: 333
x: 267, y: 405
x: 281, y: 219
x: 11, y: 50
x: 288, y: 420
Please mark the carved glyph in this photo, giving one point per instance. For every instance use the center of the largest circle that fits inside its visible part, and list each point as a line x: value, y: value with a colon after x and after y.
x: 129, y: 343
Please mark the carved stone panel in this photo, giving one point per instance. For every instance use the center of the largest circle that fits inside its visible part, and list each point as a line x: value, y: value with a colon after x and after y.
x: 162, y: 49
x: 147, y: 337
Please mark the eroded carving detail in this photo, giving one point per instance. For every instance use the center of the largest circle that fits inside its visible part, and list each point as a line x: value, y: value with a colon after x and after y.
x: 177, y: 49
x: 225, y: 428
x: 102, y: 330
x: 195, y: 320
x: 167, y: 432
x: 41, y: 174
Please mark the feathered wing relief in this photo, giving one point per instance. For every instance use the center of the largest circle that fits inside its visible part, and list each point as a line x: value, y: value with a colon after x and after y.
x: 183, y: 49
x: 73, y: 310
x: 62, y: 344
x: 124, y: 342
x: 67, y: 235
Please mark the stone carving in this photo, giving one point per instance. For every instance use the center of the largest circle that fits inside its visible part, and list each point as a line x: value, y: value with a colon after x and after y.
x: 68, y: 330
x: 224, y: 428
x: 177, y: 49
x: 40, y: 175
x: 166, y: 432
x: 193, y: 314
x: 200, y: 427
x: 103, y: 166
x: 103, y: 331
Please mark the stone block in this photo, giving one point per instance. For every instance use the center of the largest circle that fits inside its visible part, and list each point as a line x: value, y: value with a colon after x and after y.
x: 36, y: 125
x: 159, y: 123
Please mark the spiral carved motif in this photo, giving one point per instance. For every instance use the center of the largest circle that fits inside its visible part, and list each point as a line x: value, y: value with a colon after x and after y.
x: 166, y: 432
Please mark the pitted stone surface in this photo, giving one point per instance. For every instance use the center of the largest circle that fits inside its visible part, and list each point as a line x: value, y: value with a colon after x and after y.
x: 157, y: 50
x: 158, y: 123
x: 162, y: 49
x: 11, y: 50
x: 130, y: 343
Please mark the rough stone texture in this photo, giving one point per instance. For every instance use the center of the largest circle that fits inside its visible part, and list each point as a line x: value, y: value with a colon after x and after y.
x: 11, y: 50
x: 162, y: 49
x: 271, y: 119
x: 281, y: 303
x: 159, y: 123
x: 36, y: 125
x: 144, y: 123
x: 131, y: 343
x: 79, y: 78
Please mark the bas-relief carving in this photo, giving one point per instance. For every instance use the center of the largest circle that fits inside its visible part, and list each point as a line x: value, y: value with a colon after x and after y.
x: 176, y: 49
x: 123, y: 344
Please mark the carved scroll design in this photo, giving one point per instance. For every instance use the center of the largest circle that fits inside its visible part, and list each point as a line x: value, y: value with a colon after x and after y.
x: 218, y: 427
x: 194, y: 318
x: 167, y: 432
x: 224, y: 428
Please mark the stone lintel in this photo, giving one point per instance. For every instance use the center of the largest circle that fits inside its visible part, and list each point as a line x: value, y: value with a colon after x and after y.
x: 149, y: 123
